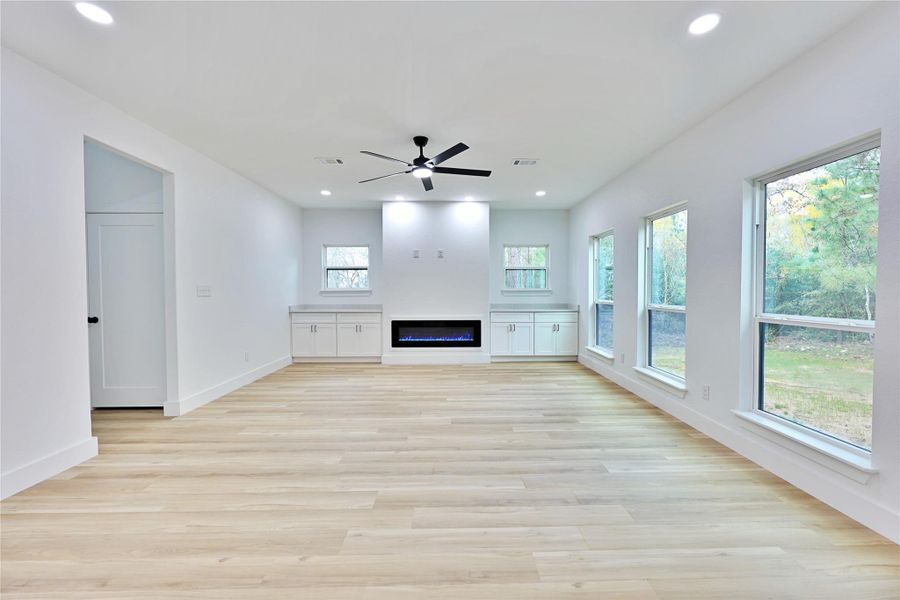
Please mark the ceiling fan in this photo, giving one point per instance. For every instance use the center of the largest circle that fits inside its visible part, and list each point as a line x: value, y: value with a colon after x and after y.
x: 423, y: 167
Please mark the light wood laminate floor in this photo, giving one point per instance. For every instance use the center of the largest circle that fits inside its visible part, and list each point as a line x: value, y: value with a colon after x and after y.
x: 369, y: 482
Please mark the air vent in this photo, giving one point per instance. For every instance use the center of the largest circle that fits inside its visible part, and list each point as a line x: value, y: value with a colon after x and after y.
x: 524, y: 162
x: 324, y: 160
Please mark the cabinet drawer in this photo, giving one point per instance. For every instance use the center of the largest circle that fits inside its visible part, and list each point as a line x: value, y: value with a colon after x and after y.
x: 556, y: 317
x: 312, y: 318
x: 359, y: 317
x: 511, y: 317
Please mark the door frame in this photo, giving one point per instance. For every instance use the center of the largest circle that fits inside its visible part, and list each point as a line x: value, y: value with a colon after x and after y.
x: 171, y: 404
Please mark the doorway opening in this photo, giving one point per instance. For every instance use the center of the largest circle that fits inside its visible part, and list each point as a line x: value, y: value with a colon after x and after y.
x: 127, y: 279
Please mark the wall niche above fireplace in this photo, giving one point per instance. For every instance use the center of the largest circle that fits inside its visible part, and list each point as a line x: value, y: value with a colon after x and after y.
x: 436, y: 334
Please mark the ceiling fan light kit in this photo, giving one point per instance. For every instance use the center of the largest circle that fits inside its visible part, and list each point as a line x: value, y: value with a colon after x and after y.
x: 423, y: 167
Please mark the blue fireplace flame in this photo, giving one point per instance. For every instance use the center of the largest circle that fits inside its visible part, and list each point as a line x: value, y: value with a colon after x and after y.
x: 463, y: 337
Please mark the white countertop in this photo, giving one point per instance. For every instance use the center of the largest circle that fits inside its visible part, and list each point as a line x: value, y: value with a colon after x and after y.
x: 534, y: 308
x: 307, y: 308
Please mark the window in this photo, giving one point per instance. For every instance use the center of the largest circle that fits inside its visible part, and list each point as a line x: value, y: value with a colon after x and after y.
x: 666, y: 281
x: 817, y: 230
x: 602, y: 278
x: 525, y: 267
x: 346, y: 267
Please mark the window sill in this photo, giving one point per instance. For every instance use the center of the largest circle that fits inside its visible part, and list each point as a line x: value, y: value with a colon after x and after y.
x: 533, y: 292
x: 354, y: 292
x: 597, y: 352
x: 847, y: 460
x: 663, y: 381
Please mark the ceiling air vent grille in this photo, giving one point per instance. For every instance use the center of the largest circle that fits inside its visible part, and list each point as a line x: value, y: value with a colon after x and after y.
x: 524, y: 162
x: 324, y: 160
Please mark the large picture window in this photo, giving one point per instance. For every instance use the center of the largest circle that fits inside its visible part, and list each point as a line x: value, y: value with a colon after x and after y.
x: 666, y: 283
x: 817, y: 232
x: 602, y: 280
x: 525, y: 267
x: 345, y: 267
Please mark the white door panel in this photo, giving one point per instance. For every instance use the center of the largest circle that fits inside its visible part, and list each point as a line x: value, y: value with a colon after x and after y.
x: 302, y: 339
x: 325, y: 339
x: 567, y: 339
x: 500, y: 336
x: 125, y: 292
x: 369, y: 339
x: 347, y: 339
x: 545, y: 339
x: 522, y: 340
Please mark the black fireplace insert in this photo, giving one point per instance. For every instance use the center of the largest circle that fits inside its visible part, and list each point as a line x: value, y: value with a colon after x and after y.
x: 435, y: 334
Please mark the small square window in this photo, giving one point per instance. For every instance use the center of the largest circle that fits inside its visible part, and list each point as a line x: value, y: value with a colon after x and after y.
x: 346, y: 267
x: 525, y: 267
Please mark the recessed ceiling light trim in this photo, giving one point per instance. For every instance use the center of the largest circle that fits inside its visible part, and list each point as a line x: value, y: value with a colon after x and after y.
x: 325, y: 192
x: 704, y: 23
x: 94, y: 13
x: 540, y: 193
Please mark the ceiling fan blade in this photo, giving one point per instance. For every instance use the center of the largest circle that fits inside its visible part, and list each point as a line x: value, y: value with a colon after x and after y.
x: 452, y: 171
x: 448, y: 153
x: 383, y: 176
x: 376, y: 155
x: 426, y: 181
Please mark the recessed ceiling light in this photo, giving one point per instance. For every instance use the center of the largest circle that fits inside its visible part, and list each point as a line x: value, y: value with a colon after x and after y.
x: 325, y: 192
x: 468, y: 198
x: 540, y: 193
x: 704, y: 24
x: 398, y: 198
x: 94, y: 13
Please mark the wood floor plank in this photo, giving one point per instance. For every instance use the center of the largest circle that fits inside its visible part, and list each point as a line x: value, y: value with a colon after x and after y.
x: 538, y: 481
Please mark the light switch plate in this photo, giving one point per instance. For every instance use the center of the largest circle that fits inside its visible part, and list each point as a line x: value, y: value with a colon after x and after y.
x: 204, y: 291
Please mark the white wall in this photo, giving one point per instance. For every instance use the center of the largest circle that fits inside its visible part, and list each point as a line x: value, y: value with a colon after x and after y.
x: 454, y: 287
x: 534, y: 228
x: 340, y: 227
x: 846, y: 87
x: 116, y: 184
x: 229, y: 234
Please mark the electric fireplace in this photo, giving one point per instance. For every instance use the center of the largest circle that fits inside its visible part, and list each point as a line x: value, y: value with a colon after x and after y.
x: 435, y: 334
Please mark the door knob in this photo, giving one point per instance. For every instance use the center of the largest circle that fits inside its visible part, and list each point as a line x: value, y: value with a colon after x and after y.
x: 93, y: 320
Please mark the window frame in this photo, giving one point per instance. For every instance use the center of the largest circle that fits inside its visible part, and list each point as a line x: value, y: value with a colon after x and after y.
x: 508, y: 290
x: 823, y: 440
x: 672, y: 379
x: 594, y: 245
x: 326, y: 269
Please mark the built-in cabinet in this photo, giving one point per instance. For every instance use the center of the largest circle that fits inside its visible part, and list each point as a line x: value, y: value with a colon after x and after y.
x: 534, y: 333
x: 332, y: 335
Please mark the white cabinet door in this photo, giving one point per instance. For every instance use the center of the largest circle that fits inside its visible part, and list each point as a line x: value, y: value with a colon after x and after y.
x: 545, y: 339
x: 347, y: 339
x: 500, y: 338
x: 567, y: 339
x: 325, y: 339
x: 369, y: 339
x: 522, y: 339
x: 302, y: 339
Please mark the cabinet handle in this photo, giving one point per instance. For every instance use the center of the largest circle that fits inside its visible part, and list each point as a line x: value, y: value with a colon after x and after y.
x: 514, y: 327
x: 316, y: 328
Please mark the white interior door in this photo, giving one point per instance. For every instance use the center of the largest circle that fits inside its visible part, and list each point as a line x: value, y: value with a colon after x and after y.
x: 125, y: 294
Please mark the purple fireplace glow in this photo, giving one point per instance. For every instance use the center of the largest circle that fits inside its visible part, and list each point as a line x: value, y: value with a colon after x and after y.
x: 435, y: 334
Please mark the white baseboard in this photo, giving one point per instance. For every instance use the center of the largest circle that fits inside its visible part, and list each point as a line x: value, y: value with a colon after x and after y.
x: 502, y: 359
x: 37, y: 471
x: 186, y: 405
x: 436, y: 358
x: 336, y: 359
x: 793, y: 468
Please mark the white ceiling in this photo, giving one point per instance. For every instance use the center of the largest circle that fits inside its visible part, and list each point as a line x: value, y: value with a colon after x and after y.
x: 265, y: 87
